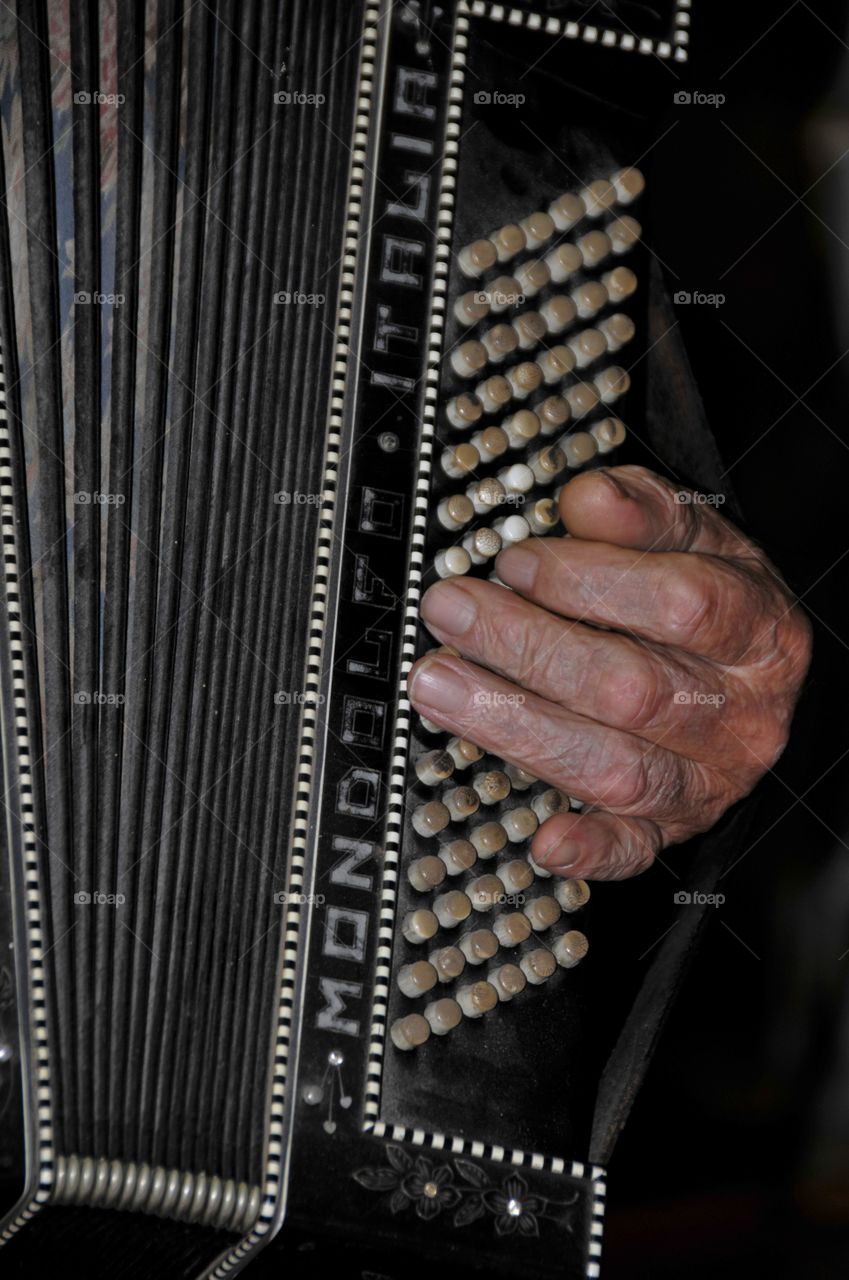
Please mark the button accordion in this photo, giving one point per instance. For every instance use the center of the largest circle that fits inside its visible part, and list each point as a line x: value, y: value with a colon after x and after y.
x: 302, y: 306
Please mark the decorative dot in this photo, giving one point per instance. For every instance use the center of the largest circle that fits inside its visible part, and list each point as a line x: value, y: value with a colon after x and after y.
x: 514, y: 1208
x: 335, y: 1057
x: 388, y: 441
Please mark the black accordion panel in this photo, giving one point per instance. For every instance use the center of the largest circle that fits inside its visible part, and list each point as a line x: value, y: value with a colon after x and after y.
x: 302, y: 306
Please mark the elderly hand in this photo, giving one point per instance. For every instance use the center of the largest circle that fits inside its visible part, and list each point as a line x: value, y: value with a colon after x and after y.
x: 647, y: 665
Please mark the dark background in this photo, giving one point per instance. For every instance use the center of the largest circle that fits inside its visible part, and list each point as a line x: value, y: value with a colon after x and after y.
x: 736, y: 1156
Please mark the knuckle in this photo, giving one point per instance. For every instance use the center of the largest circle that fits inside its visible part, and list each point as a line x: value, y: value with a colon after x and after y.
x: 688, y: 602
x: 628, y: 693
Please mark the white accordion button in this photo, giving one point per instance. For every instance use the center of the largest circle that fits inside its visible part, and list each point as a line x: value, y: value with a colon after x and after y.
x: 409, y: 1032
x: 463, y: 752
x: 583, y: 398
x: 580, y: 448
x: 492, y: 787
x: 512, y: 929
x: 628, y: 185
x: 558, y: 312
x: 516, y: 876
x: 609, y: 434
x: 460, y: 461
x: 520, y: 824
x: 419, y: 926
x: 489, y: 839
x: 530, y: 328
x: 624, y: 233
x: 587, y: 346
x: 426, y: 873
x: 417, y: 979
x: 517, y: 479
x: 520, y: 779
x: 479, y: 946
x: 482, y: 545
x: 464, y: 411
x: 521, y: 428
x: 512, y: 529
x: 443, y: 1016
x: 491, y: 443
x: 504, y: 292
x: 469, y: 358
x: 598, y: 197
x: 434, y: 767
x: 542, y: 516
x: 572, y: 894
x: 477, y: 258
x: 458, y: 856
x: 431, y: 818
x: 563, y: 262
x: 589, y: 298
x: 553, y: 413
x: 485, y: 892
x: 617, y: 329
x: 477, y: 999
x: 508, y: 981
x: 500, y: 342
x: 532, y: 276
x: 595, y: 246
x: 452, y: 562
x: 571, y: 949
x: 449, y: 963
x: 508, y: 240
x: 538, y: 966
x: 486, y: 495
x: 556, y: 363
x: 543, y: 913
x: 620, y: 283
x: 538, y: 228
x: 494, y: 393
x: 566, y: 211
x: 612, y: 383
x: 455, y: 512
x: 452, y: 908
x: 471, y: 307
x: 524, y: 378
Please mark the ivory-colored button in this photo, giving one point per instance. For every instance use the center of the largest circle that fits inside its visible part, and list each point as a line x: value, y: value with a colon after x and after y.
x: 461, y: 802
x: 521, y: 428
x: 572, y: 894
x: 598, y: 197
x: 620, y: 283
x: 491, y: 443
x: 460, y: 461
x: 419, y: 926
x: 469, y: 358
x: 430, y: 818
x: 504, y: 292
x: 611, y: 383
x: 624, y: 233
x: 449, y: 963
x: 542, y: 516
x: 512, y: 529
x: 580, y: 448
x: 571, y: 949
x: 617, y: 330
x: 508, y: 981
x: 426, y: 873
x: 500, y: 342
x: 464, y: 411
x: 537, y: 869
x: 492, y: 786
x: 556, y: 363
x: 417, y: 979
x: 516, y: 876
x: 508, y: 240
x: 628, y: 185
x: 538, y: 966
x: 530, y: 328
x: 549, y: 803
x: 524, y: 378
x: 547, y: 463
x: 485, y: 892
x: 434, y: 767
x: 589, y: 298
x: 452, y: 908
x: 489, y: 839
x: 563, y: 261
x: 409, y: 1032
x: 482, y: 544
x: 520, y: 824
x: 477, y: 999
x: 583, y: 398
x: 595, y: 246
x: 477, y: 258
x: 471, y: 307
x: 538, y: 228
x: 443, y: 1016
x: 532, y: 276
x: 485, y: 495
x: 463, y: 752
x: 517, y: 478
x: 452, y: 562
x: 511, y: 928
x: 587, y: 346
x: 478, y: 946
x: 542, y: 913
x: 458, y: 856
x: 553, y: 413
x: 566, y: 210
x: 455, y: 512
x: 520, y: 779
x: 609, y: 434
x: 558, y: 313
x: 494, y: 393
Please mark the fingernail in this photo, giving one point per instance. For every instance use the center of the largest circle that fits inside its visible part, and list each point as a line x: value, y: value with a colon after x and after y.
x: 438, y: 686
x: 615, y: 483
x: 449, y: 608
x: 517, y: 566
x: 556, y: 851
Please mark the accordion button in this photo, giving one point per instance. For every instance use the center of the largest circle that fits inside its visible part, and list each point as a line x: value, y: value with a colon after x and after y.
x: 542, y: 913
x: 598, y: 197
x: 587, y: 346
x: 553, y: 413
x: 620, y: 283
x: 452, y: 908
x: 612, y: 383
x: 549, y: 802
x: 617, y: 329
x: 542, y: 516
x: 548, y: 464
x: 566, y: 210
x: 477, y: 257
x: 463, y: 752
x: 417, y: 979
x: 485, y: 495
x: 492, y: 786
x: 443, y: 1016
x: 556, y: 363
x: 624, y: 233
x: 571, y: 949
x: 485, y: 892
x: 525, y: 378
x: 609, y: 434
x: 454, y: 513
x: 453, y: 562
x: 538, y: 965
x: 520, y: 824
x: 471, y: 307
x: 512, y: 929
x: 458, y: 856
x: 582, y: 398
x: 594, y: 247
x: 508, y: 981
x: 494, y: 393
x: 519, y: 778
x: 419, y: 926
x: 477, y: 999
x: 489, y: 839
x: 482, y: 545
x: 516, y: 876
x: 434, y: 767
x: 461, y: 803
x: 431, y: 818
x: 503, y: 293
x: 479, y: 946
x: 500, y: 342
x: 580, y: 447
x: 464, y: 411
x: 469, y: 358
x: 491, y: 443
x: 538, y: 228
x: 589, y: 298
x: 628, y: 184
x: 449, y: 963
x: 508, y: 240
x: 558, y: 312
x: 517, y: 479
x: 530, y: 328
x: 563, y: 262
x: 572, y: 894
x: 426, y: 873
x: 512, y: 529
x: 409, y: 1032
x: 521, y: 428
x: 532, y: 276
x: 460, y: 461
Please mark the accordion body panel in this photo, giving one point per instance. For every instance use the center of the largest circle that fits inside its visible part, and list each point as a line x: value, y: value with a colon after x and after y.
x: 231, y: 254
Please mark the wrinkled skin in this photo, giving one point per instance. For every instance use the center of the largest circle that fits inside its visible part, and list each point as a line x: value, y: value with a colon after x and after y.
x: 647, y: 665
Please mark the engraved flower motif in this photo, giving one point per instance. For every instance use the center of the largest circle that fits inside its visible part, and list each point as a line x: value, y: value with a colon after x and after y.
x: 431, y: 1188
x: 515, y: 1209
